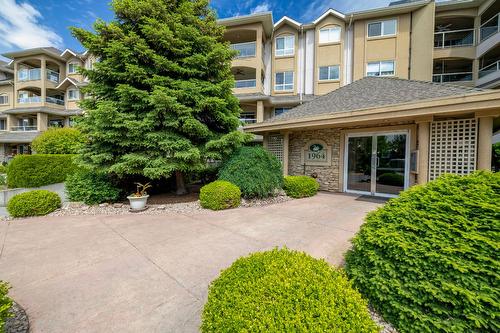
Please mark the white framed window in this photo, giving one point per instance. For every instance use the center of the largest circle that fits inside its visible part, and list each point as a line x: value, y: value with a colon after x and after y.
x: 73, y: 68
x: 283, y: 81
x: 382, y: 28
x: 330, y: 34
x: 285, y: 45
x: 329, y: 73
x: 73, y: 94
x: 380, y: 68
x: 278, y: 111
x: 3, y: 124
x: 4, y: 99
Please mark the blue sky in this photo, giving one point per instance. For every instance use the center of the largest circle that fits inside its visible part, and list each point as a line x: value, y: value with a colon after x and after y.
x: 34, y: 23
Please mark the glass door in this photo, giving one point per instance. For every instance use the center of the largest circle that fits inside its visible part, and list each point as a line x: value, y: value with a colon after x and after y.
x: 390, y: 164
x: 359, y: 163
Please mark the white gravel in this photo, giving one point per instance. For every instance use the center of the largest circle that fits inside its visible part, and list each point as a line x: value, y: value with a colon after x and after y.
x: 386, y: 327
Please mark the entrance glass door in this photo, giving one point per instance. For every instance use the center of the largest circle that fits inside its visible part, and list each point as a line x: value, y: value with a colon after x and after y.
x: 376, y: 164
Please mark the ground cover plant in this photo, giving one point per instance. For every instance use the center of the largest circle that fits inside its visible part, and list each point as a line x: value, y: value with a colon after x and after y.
x: 429, y: 260
x: 284, y: 291
x: 300, y: 186
x: 5, y: 304
x: 220, y: 195
x: 33, y: 203
x: 58, y: 141
x: 91, y: 187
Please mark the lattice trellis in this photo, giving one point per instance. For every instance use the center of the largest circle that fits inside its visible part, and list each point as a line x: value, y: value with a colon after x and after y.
x: 452, y: 147
x: 275, y: 146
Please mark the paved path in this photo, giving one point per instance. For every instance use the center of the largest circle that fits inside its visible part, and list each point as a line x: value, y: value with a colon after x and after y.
x: 141, y: 273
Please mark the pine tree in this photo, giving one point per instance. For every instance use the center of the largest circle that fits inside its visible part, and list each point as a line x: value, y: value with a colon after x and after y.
x: 159, y: 98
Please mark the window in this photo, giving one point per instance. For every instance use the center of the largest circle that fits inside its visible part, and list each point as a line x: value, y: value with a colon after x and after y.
x: 382, y: 28
x: 329, y: 35
x: 285, y: 45
x: 4, y: 99
x: 56, y: 122
x: 284, y: 81
x: 329, y: 73
x: 73, y: 95
x: 3, y: 124
x: 72, y: 68
x: 278, y: 111
x: 380, y: 68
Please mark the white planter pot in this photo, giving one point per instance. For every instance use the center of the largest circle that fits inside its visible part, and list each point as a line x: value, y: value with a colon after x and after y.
x: 138, y: 203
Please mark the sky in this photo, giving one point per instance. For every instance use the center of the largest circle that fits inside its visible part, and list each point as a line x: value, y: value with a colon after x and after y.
x: 34, y: 23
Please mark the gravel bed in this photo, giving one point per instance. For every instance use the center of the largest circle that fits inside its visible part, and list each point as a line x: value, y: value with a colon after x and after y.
x: 386, y: 327
x: 19, y: 323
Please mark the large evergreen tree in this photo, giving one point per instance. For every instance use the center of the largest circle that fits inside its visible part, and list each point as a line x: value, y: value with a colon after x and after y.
x: 160, y: 100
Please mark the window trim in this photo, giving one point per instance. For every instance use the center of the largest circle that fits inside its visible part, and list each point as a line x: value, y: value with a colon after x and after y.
x: 276, y: 46
x: 328, y: 27
x: 382, y: 35
x: 284, y: 84
x: 380, y: 68
x: 76, y: 65
x: 328, y: 80
x: 73, y: 99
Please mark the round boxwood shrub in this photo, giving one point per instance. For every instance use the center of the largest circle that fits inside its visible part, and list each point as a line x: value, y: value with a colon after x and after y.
x: 300, y: 186
x: 33, y: 203
x: 254, y: 170
x: 284, y: 291
x: 428, y: 260
x: 91, y: 187
x: 220, y: 195
x: 5, y: 304
x: 58, y: 141
x: 391, y: 178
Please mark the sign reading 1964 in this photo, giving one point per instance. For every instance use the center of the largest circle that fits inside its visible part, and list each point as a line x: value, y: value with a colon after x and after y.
x: 316, y: 152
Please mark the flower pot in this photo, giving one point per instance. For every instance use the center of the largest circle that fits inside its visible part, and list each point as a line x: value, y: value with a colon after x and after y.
x: 138, y: 203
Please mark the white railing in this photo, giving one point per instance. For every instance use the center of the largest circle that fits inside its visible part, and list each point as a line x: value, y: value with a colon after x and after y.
x: 454, y: 38
x: 489, y: 28
x: 245, y: 83
x: 52, y: 76
x: 452, y: 77
x: 29, y: 100
x: 245, y: 50
x: 23, y: 128
x: 248, y: 120
x: 29, y: 74
x: 494, y: 67
x: 54, y: 100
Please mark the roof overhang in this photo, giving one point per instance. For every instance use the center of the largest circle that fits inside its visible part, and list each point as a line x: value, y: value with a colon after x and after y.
x: 457, y: 4
x: 487, y: 101
x: 265, y: 18
x: 29, y: 52
x: 332, y: 12
x: 66, y: 83
x: 287, y: 20
x: 389, y: 10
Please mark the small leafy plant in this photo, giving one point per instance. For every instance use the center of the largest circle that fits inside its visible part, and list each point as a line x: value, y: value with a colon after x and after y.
x: 141, y: 189
x: 5, y: 304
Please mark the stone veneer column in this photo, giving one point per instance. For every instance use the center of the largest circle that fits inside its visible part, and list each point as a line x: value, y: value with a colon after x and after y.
x: 286, y: 143
x: 423, y: 152
x: 484, y: 144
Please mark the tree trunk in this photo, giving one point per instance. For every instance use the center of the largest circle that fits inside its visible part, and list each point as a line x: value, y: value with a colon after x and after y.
x: 181, y: 186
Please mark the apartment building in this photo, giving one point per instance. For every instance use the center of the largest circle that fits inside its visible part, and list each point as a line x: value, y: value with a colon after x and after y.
x: 39, y: 88
x: 285, y: 63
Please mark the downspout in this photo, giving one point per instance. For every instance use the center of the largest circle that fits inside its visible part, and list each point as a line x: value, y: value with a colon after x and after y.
x: 303, y: 65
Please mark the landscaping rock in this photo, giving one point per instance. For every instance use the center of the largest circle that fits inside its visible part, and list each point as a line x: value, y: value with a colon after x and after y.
x: 104, y: 204
x: 117, y: 205
x: 19, y: 323
x: 386, y: 327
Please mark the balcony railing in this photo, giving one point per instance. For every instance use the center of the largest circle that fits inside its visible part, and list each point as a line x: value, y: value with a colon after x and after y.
x: 454, y: 38
x: 245, y: 83
x: 23, y: 128
x: 452, y: 77
x: 490, y: 27
x: 52, y: 76
x: 54, y: 100
x: 29, y: 74
x: 245, y: 50
x: 246, y: 121
x: 494, y: 67
x: 29, y: 100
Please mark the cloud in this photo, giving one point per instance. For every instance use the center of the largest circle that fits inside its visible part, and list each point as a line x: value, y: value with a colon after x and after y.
x: 263, y: 7
x: 20, y: 27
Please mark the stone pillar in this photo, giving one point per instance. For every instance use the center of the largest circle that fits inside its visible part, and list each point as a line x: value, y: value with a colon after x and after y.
x: 423, y: 152
x: 11, y: 121
x: 286, y: 141
x: 42, y: 121
x: 484, y: 143
x: 260, y: 111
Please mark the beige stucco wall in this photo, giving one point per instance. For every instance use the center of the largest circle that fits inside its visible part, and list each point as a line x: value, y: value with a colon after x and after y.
x: 9, y: 91
x: 285, y: 63
x: 422, y: 43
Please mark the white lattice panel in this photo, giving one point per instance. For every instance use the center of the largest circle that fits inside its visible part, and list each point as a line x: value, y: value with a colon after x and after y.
x: 275, y: 146
x: 452, y: 147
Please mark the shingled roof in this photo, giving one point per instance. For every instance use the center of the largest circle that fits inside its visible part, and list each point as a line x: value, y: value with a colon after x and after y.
x: 371, y: 92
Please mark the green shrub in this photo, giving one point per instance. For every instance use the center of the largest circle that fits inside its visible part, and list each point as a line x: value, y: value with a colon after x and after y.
x: 58, y: 141
x: 38, y: 170
x: 91, y: 188
x: 254, y: 170
x: 284, y: 291
x: 3, y: 168
x: 5, y: 304
x: 391, y: 178
x: 300, y: 186
x: 220, y: 195
x: 33, y: 203
x: 495, y: 161
x: 428, y: 260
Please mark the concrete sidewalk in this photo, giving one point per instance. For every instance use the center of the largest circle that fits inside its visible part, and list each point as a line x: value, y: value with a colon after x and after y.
x: 141, y: 273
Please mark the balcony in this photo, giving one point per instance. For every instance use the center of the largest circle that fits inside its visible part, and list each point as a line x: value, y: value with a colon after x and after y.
x: 252, y: 83
x: 245, y: 50
x: 52, y: 76
x: 489, y: 28
x: 23, y: 128
x: 454, y: 38
x: 54, y: 100
x: 452, y: 77
x: 490, y: 69
x: 29, y: 74
x: 29, y: 100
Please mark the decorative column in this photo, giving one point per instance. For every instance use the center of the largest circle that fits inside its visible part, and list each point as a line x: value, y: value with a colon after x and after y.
x: 484, y: 145
x: 423, y: 151
x: 260, y: 111
x: 42, y: 121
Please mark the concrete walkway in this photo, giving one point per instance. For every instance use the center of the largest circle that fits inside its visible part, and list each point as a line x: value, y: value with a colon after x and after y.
x: 141, y: 273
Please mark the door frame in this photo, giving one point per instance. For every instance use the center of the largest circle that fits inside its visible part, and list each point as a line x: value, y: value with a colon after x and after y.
x: 374, y: 135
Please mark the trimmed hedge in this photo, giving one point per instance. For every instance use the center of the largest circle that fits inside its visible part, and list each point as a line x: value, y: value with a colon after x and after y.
x: 58, y: 141
x: 428, y: 260
x: 91, y: 188
x: 38, y: 170
x: 391, y: 178
x: 284, y: 291
x: 254, y: 170
x: 300, y: 186
x: 220, y: 195
x: 5, y: 304
x: 33, y: 203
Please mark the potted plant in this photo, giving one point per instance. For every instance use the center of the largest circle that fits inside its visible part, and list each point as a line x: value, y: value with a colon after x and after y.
x: 139, y: 199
